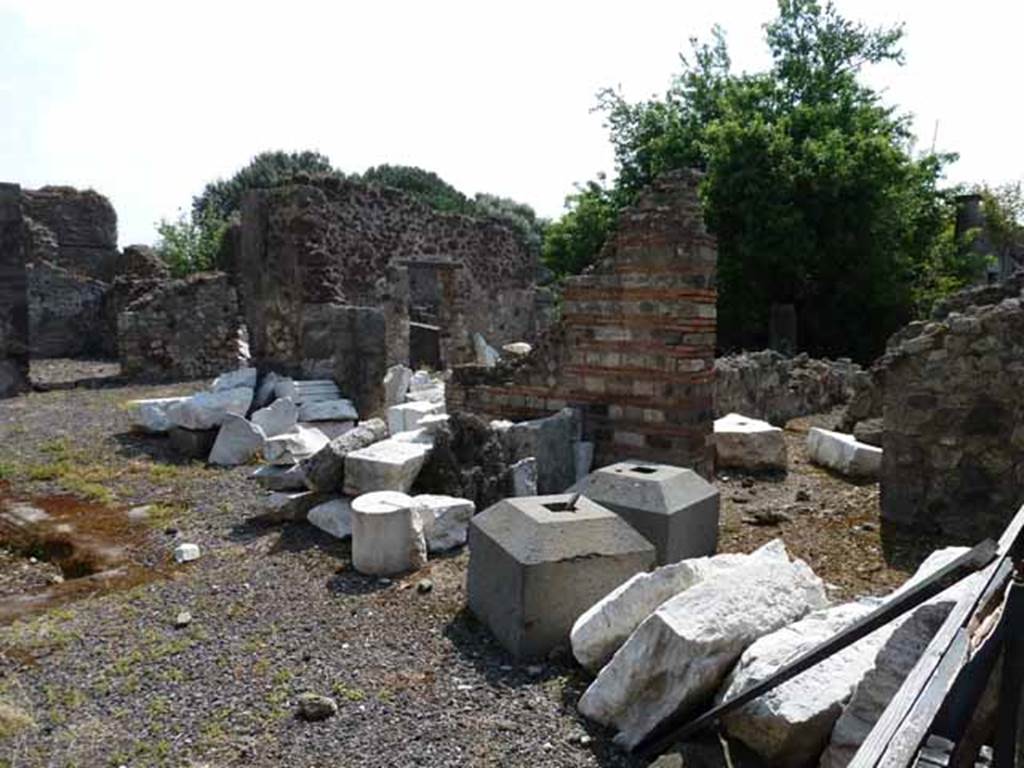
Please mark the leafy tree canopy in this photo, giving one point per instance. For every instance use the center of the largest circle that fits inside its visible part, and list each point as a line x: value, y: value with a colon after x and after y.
x: 223, y: 197
x: 811, y: 184
x: 431, y: 189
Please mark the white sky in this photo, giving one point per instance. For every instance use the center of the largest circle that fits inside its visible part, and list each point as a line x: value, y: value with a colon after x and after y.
x: 147, y: 101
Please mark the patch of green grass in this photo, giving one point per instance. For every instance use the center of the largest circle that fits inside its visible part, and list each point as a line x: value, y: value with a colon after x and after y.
x: 58, y: 446
x: 13, y: 720
x: 351, y: 694
x: 7, y: 470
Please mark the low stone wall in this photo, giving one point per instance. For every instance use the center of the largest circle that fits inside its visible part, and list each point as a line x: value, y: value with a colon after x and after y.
x: 954, y: 418
x: 634, y: 348
x: 768, y: 385
x: 66, y: 312
x: 185, y: 329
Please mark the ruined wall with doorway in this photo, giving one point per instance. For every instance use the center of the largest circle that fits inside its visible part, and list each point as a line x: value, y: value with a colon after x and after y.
x: 953, y: 438
x: 331, y: 241
x: 185, y: 329
x: 634, y: 349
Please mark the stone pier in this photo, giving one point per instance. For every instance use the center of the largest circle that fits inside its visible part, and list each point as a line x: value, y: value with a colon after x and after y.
x: 14, y: 346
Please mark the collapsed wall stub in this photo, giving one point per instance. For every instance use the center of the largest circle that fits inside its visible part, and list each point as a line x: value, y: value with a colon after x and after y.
x: 295, y: 308
x: 953, y: 439
x: 14, y: 349
x: 83, y: 225
x: 634, y: 349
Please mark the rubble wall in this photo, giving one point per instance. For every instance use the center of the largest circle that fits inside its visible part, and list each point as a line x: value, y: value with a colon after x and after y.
x: 771, y: 386
x: 634, y: 348
x: 83, y: 224
x: 953, y: 439
x: 330, y: 241
x: 186, y: 329
x: 66, y: 312
x: 14, y: 354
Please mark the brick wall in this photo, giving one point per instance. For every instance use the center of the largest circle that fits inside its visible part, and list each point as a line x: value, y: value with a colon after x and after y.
x: 635, y: 346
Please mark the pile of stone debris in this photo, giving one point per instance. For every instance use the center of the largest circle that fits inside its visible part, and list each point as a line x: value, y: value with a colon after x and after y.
x: 354, y: 478
x: 703, y: 630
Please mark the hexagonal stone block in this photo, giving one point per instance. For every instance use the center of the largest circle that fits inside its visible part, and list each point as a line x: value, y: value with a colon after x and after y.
x: 536, y: 565
x: 674, y: 508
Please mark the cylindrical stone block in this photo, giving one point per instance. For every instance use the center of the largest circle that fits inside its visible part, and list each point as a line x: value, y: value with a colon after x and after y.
x: 387, y: 534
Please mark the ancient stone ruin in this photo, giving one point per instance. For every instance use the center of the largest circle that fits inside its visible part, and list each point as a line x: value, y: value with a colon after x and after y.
x: 14, y: 346
x: 634, y: 349
x: 573, y: 457
x: 184, y: 328
x: 331, y: 242
x: 953, y: 413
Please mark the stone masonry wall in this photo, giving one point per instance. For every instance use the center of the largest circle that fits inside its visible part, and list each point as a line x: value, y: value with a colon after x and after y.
x: 184, y: 329
x: 13, y: 294
x: 66, y: 312
x: 953, y: 411
x: 768, y: 385
x: 331, y: 241
x: 634, y: 349
x: 83, y: 224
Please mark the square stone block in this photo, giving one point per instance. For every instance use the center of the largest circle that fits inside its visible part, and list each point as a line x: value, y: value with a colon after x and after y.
x: 673, y: 507
x: 390, y: 465
x: 536, y: 565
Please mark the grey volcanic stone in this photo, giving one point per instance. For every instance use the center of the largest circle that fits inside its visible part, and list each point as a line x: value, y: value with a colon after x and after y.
x: 674, y: 508
x: 552, y: 441
x: 192, y: 443
x: 325, y: 470
x: 535, y: 566
x: 13, y: 295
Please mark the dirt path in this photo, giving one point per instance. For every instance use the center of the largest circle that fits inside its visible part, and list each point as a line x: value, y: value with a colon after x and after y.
x: 109, y: 679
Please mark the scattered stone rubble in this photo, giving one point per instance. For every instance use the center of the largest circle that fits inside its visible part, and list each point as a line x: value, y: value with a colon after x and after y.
x: 666, y: 641
x: 770, y: 386
x: 679, y: 655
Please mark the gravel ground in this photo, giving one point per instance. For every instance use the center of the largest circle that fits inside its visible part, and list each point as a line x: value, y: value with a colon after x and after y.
x: 109, y: 679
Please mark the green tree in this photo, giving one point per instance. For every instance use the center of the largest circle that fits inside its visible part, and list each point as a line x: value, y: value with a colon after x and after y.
x: 425, y: 186
x: 188, y: 246
x: 811, y: 183
x: 572, y: 242
x: 223, y: 197
x: 520, y: 216
x: 432, y: 190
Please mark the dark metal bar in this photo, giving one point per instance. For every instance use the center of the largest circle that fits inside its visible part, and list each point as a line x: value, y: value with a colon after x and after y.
x: 912, y: 732
x: 669, y: 732
x: 1005, y: 754
x: 963, y: 614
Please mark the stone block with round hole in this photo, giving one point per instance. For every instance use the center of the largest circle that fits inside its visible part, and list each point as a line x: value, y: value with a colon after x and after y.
x: 538, y: 562
x: 673, y: 507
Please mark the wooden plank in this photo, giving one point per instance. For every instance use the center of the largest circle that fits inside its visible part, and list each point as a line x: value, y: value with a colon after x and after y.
x: 902, y: 704
x: 913, y: 730
x: 906, y: 697
x: 663, y: 736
